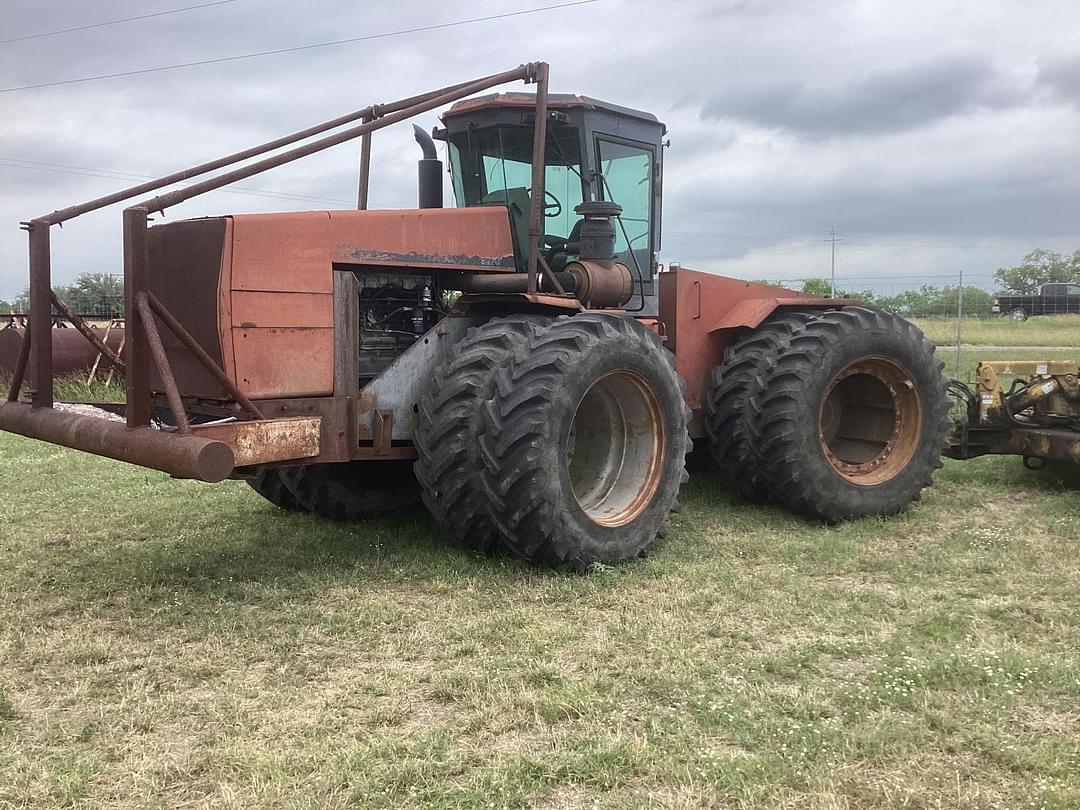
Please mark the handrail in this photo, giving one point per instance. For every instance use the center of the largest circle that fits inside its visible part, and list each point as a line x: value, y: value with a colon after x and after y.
x: 164, y: 201
x: 373, y: 110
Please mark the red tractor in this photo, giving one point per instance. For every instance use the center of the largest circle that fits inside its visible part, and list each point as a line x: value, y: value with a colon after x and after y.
x: 520, y: 363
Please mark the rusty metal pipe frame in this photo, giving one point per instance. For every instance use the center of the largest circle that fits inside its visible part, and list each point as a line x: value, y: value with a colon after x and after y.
x: 20, y: 368
x: 536, y: 207
x: 137, y: 347
x: 64, y: 214
x: 135, y: 217
x: 161, y: 361
x: 40, y: 331
x: 365, y: 169
x: 38, y: 229
x: 87, y: 332
x: 163, y: 201
x: 181, y: 456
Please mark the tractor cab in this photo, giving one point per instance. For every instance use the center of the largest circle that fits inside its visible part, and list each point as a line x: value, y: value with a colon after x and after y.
x: 594, y: 151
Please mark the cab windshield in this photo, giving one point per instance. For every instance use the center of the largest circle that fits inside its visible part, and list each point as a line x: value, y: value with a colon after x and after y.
x: 493, y: 166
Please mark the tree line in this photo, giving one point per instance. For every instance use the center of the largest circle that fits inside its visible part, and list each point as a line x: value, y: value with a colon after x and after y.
x: 96, y: 295
x: 1037, y: 268
x: 924, y: 302
x: 101, y: 295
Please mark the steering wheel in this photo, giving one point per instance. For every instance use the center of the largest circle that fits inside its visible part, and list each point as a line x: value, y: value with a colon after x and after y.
x: 553, y: 208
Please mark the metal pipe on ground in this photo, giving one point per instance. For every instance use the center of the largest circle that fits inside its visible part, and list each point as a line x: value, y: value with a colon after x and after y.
x: 71, y: 352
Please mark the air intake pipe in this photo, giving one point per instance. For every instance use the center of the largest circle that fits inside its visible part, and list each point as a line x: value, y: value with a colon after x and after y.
x: 429, y: 172
x: 594, y: 277
x: 600, y: 281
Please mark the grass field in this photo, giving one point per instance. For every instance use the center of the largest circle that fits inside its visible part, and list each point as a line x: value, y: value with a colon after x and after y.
x: 1050, y: 330
x: 173, y: 644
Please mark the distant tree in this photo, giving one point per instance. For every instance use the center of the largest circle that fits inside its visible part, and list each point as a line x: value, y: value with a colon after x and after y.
x: 816, y: 286
x: 928, y: 301
x: 1039, y: 267
x: 98, y: 295
x: 5, y: 307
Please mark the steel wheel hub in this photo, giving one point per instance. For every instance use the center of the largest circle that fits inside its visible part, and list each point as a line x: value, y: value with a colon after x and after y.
x: 615, y: 448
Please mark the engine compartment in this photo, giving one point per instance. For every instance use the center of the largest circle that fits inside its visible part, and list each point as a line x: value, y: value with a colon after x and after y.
x: 396, y: 309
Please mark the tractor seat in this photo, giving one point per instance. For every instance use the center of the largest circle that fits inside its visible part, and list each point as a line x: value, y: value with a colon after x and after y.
x: 516, y: 201
x: 557, y: 258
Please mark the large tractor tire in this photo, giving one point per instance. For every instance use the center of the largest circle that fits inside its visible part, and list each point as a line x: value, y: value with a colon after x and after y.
x: 851, y: 419
x: 270, y: 483
x: 354, y: 490
x: 447, y: 438
x: 733, y: 388
x: 585, y: 442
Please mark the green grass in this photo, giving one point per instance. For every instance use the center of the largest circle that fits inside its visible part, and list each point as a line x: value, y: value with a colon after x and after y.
x: 167, y: 643
x: 76, y: 387
x: 1049, y: 330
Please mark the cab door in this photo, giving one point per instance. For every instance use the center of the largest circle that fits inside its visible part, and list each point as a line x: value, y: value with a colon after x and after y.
x: 626, y: 174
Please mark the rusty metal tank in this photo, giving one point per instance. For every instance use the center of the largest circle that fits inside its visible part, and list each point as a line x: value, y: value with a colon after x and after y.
x: 72, y: 353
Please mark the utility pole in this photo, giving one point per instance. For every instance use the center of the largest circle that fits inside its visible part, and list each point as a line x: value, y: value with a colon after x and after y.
x: 834, y: 237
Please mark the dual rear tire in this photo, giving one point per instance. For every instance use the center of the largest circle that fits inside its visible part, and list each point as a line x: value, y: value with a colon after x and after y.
x: 837, y: 415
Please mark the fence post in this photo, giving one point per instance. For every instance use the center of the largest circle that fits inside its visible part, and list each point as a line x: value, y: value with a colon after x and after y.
x: 959, y: 319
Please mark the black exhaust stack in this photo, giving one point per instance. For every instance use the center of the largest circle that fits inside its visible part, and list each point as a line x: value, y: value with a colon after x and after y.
x: 429, y: 172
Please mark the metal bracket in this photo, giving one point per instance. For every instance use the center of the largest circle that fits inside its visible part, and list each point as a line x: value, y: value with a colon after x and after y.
x: 384, y: 431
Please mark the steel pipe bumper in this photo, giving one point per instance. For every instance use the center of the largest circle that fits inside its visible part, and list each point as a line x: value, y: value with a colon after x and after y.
x: 182, y: 456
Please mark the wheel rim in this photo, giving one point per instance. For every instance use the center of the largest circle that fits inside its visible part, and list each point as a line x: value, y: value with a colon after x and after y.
x: 615, y: 448
x: 871, y: 421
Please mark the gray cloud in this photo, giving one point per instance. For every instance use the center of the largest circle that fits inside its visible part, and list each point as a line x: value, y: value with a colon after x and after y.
x: 1061, y: 76
x: 882, y: 101
x: 952, y: 147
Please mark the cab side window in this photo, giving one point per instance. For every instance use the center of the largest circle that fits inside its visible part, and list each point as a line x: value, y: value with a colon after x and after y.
x: 626, y: 178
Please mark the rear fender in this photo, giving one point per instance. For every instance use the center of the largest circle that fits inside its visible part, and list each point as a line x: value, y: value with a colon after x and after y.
x: 702, y: 314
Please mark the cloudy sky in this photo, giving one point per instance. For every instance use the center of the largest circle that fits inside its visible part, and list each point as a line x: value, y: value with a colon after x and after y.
x: 937, y: 137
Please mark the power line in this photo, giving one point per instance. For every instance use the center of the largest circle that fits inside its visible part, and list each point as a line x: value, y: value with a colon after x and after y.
x: 109, y: 174
x: 942, y: 245
x: 113, y: 22
x: 801, y: 241
x: 982, y: 278
x: 296, y: 48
